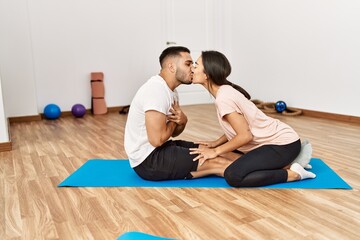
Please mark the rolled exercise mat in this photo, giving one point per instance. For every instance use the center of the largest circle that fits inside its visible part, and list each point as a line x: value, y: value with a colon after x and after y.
x: 98, y: 104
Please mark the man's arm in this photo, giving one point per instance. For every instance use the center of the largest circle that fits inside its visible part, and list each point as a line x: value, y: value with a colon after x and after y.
x: 178, y: 130
x: 158, y: 131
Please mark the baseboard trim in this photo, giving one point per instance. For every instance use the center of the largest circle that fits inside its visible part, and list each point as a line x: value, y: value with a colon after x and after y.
x: 88, y: 111
x: 331, y: 116
x: 25, y: 118
x: 306, y: 112
x: 63, y: 114
x: 5, y: 146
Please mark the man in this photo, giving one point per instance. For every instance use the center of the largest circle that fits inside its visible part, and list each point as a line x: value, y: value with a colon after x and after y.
x: 155, y: 116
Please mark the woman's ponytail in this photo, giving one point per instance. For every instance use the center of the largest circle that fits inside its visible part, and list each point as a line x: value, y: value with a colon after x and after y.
x: 240, y: 89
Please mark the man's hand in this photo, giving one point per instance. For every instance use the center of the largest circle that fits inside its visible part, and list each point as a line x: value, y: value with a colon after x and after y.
x: 177, y: 115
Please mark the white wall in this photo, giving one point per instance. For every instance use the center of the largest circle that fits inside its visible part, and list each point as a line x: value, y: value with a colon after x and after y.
x: 305, y: 52
x: 4, y: 134
x: 73, y: 38
x: 16, y: 59
x: 49, y: 48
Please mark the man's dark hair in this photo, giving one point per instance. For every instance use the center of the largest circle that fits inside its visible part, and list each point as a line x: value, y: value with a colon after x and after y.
x: 172, y: 52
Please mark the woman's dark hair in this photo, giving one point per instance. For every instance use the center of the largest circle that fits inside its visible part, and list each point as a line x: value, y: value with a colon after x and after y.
x: 172, y: 52
x: 217, y: 67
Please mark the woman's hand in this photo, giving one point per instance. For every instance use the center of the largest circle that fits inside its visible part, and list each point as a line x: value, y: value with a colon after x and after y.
x: 208, y: 144
x: 213, y: 144
x: 203, y: 154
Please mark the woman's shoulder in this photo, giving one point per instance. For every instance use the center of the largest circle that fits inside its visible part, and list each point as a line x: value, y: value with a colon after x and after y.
x: 226, y: 91
x: 230, y: 97
x: 230, y: 93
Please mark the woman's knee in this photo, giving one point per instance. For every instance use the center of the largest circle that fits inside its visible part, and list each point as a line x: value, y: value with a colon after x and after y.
x: 233, y: 178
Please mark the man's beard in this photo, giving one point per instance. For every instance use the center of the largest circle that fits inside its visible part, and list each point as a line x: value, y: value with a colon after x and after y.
x: 182, y: 77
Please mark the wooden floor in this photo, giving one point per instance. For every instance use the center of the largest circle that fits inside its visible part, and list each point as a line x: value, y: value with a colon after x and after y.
x: 46, y: 152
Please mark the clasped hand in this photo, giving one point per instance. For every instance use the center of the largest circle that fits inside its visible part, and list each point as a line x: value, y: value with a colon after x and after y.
x: 177, y: 116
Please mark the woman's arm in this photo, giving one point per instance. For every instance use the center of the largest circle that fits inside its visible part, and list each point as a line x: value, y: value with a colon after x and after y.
x: 243, y: 136
x: 243, y: 133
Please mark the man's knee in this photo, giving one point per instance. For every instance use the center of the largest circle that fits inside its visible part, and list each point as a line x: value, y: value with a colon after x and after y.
x: 220, y: 162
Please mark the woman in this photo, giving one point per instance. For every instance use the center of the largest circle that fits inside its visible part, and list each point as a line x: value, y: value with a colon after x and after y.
x: 268, y: 145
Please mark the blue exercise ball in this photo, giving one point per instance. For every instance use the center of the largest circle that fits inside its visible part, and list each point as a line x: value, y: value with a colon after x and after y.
x: 280, y: 106
x: 78, y: 110
x: 52, y: 111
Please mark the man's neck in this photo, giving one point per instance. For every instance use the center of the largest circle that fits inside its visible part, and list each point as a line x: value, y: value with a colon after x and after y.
x: 169, y: 80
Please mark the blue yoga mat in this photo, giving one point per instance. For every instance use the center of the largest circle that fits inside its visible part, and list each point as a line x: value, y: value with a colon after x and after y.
x: 140, y: 236
x: 118, y: 173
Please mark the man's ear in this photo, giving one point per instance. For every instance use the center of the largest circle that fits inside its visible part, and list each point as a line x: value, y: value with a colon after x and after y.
x: 172, y: 67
